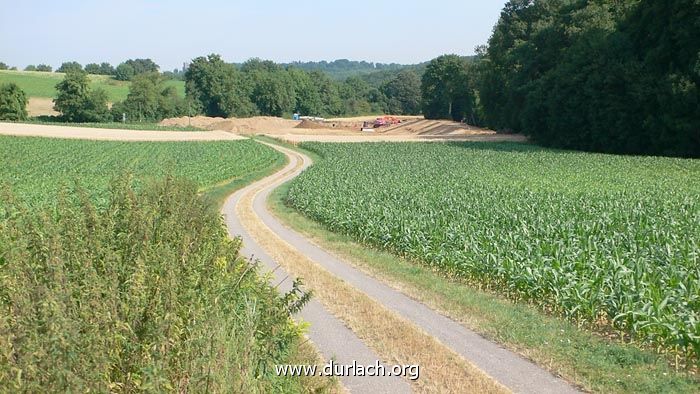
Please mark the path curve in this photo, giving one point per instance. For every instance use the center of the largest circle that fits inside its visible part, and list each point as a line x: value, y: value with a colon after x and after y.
x: 511, y: 370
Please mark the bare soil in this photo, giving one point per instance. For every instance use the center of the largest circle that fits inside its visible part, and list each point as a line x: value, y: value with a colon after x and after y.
x: 34, y: 130
x: 40, y: 106
x: 412, y: 128
x: 254, y: 125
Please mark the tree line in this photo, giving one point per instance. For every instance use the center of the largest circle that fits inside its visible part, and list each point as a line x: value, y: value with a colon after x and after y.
x: 262, y: 87
x: 610, y: 76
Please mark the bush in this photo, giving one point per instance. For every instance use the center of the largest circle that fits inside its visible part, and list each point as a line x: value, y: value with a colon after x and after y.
x: 142, y: 293
x: 44, y: 68
x: 13, y: 102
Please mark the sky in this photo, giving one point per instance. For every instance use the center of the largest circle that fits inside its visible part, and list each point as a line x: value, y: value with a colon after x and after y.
x: 173, y: 32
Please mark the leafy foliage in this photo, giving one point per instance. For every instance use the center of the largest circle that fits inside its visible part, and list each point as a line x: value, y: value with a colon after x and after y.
x: 13, y: 102
x: 149, y: 100
x: 69, y: 66
x: 132, y: 67
x: 445, y: 89
x: 217, y: 88
x: 403, y: 93
x: 77, y: 102
x: 596, y: 75
x: 146, y: 293
x: 262, y: 87
x: 605, y: 240
x: 99, y: 69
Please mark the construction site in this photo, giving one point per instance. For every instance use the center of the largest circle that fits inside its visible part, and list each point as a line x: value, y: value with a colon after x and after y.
x: 356, y: 129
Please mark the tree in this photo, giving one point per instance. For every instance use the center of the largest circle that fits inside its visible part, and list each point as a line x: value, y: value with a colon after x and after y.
x: 3, y: 66
x: 445, y: 89
x: 149, y: 100
x: 69, y: 66
x: 92, y: 68
x: 596, y: 75
x: 272, y: 89
x: 124, y: 72
x: 403, y: 94
x: 44, y: 68
x: 218, y: 88
x: 307, y: 99
x: 77, y: 102
x: 30, y: 67
x: 13, y: 102
x: 329, y: 92
x: 127, y: 70
x: 106, y: 69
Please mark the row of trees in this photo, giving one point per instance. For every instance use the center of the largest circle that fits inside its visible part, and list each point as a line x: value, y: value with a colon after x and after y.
x: 123, y: 72
x: 257, y: 87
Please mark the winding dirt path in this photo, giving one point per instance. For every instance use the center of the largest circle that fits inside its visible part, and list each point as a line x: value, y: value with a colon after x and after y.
x: 356, y: 317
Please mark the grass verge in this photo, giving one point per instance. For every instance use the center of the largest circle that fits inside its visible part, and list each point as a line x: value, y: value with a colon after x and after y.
x: 581, y: 357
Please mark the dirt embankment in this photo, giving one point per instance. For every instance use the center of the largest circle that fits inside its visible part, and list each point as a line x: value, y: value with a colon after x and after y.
x: 411, y: 128
x: 254, y: 125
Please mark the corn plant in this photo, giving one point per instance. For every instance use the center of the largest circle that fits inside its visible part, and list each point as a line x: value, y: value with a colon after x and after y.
x: 607, y: 240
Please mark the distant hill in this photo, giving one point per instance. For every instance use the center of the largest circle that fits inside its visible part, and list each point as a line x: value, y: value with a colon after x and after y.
x: 341, y: 69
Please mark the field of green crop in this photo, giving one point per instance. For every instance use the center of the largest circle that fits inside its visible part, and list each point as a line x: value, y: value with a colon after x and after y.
x: 609, y: 241
x: 43, y: 84
x: 36, y: 168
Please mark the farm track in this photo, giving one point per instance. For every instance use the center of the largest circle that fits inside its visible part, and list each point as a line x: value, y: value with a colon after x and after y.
x: 337, y: 335
x: 88, y: 133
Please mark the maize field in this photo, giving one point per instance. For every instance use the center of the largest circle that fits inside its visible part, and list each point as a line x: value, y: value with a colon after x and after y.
x: 608, y: 241
x: 35, y: 168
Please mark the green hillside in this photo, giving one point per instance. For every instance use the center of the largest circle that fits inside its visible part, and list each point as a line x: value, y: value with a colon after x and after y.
x: 43, y: 84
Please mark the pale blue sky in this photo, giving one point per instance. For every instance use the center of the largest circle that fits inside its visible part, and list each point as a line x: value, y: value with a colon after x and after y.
x: 171, y: 32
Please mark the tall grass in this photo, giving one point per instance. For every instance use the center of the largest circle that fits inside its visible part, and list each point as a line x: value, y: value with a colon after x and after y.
x: 143, y: 293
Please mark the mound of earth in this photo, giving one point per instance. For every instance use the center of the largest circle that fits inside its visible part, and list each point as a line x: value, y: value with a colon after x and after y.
x: 309, y: 124
x: 252, y: 125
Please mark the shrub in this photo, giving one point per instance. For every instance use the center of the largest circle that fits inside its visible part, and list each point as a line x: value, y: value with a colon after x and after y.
x: 13, y: 102
x: 143, y: 293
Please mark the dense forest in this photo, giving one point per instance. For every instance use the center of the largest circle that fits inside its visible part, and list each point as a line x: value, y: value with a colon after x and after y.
x: 611, y: 76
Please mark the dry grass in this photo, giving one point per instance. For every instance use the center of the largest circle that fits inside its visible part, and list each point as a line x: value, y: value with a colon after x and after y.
x: 395, y: 339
